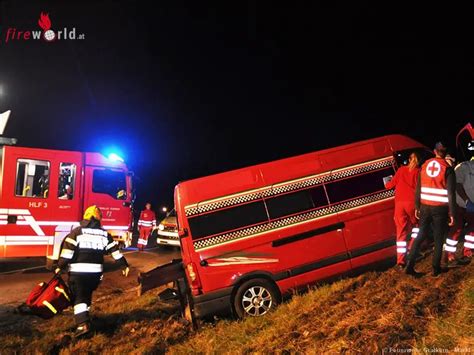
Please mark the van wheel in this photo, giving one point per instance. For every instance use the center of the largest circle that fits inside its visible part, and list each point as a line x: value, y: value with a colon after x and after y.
x: 255, y: 298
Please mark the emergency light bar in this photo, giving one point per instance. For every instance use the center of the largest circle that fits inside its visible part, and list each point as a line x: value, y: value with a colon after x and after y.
x: 115, y: 157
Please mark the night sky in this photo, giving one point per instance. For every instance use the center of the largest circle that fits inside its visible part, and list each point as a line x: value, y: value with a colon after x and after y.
x: 185, y: 91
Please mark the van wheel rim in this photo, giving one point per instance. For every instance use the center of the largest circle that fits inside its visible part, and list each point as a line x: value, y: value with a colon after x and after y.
x: 257, y: 301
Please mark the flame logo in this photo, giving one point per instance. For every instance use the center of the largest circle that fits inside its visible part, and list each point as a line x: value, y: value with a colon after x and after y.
x: 44, y: 22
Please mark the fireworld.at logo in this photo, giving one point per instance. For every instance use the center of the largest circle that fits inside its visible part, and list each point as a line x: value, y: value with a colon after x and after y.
x: 48, y: 34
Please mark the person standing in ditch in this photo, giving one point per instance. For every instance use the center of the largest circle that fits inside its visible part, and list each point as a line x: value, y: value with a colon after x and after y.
x: 404, y: 183
x: 435, y: 203
x: 83, y: 254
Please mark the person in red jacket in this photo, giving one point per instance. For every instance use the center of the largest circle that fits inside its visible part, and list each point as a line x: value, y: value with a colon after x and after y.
x: 404, y: 183
x: 435, y: 203
x: 146, y: 223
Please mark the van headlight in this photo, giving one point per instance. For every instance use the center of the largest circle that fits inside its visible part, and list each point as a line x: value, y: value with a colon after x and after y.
x: 161, y: 227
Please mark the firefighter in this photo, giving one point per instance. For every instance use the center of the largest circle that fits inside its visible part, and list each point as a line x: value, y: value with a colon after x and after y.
x: 82, y: 253
x: 465, y: 212
x: 146, y: 223
x: 435, y: 206
x: 404, y: 183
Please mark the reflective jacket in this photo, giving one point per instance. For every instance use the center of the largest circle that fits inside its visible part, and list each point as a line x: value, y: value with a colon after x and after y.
x: 436, y: 185
x: 147, y: 219
x: 84, y: 248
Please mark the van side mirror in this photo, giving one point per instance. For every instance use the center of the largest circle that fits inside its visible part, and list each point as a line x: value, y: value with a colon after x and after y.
x: 183, y: 232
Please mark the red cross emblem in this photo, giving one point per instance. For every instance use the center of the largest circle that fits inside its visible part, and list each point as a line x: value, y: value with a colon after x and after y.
x: 433, y: 169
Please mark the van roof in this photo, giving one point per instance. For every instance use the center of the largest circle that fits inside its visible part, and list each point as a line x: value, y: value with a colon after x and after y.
x: 265, y: 174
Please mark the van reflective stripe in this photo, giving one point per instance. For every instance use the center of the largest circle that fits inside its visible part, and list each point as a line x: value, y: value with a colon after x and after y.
x: 401, y: 250
x: 85, y: 267
x: 290, y: 185
x: 469, y: 238
x: 80, y: 308
x: 451, y: 242
x: 60, y: 290
x: 67, y: 254
x: 50, y: 306
x: 401, y: 244
x: 431, y: 190
x: 469, y: 245
x: 434, y: 198
x: 71, y: 241
x: 117, y: 255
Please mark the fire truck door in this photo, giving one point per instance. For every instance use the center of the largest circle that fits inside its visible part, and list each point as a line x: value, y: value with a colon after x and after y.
x: 107, y: 188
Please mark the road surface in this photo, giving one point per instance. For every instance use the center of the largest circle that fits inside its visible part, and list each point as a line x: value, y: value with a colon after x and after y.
x: 19, y: 276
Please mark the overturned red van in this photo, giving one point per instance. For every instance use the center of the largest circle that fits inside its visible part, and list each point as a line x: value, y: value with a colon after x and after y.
x: 250, y: 235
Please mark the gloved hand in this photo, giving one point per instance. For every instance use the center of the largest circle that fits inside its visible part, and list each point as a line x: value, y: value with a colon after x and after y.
x: 470, y: 206
x: 417, y: 214
x: 125, y: 271
x: 451, y: 221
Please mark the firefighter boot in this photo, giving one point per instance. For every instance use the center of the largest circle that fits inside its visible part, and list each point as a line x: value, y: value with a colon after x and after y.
x: 82, y: 329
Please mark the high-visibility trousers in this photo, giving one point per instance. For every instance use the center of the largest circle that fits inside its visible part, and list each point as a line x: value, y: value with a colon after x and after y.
x: 405, y: 220
x: 143, y: 237
x: 462, y: 231
x: 82, y: 286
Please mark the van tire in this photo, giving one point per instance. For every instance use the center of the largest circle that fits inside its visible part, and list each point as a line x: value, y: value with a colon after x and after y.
x: 255, y: 297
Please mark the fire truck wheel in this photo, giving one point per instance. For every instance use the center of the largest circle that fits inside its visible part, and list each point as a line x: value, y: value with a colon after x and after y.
x: 255, y: 298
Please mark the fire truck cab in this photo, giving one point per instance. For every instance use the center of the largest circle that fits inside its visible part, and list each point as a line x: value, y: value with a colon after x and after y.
x: 44, y: 192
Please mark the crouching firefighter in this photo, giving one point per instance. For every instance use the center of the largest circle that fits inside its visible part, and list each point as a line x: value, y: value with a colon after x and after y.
x: 82, y: 254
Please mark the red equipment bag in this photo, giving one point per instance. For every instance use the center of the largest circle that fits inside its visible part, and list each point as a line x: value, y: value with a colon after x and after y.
x: 48, y: 299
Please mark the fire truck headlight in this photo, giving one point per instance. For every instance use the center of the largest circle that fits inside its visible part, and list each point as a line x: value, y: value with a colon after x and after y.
x: 161, y: 227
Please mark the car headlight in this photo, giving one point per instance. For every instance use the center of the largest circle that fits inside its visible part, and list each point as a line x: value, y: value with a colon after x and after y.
x: 161, y: 227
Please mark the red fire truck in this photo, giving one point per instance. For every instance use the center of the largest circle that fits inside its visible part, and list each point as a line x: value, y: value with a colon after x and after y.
x: 43, y: 194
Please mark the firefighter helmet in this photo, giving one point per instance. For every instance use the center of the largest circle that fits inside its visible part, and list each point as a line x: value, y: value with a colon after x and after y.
x: 470, y: 146
x: 93, y: 211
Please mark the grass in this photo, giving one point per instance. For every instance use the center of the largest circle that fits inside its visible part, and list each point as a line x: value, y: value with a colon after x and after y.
x: 366, y: 314
x: 454, y: 331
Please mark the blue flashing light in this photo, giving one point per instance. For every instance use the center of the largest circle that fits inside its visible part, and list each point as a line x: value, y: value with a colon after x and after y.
x: 115, y: 157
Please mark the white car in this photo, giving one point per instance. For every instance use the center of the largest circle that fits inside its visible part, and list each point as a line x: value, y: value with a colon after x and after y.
x: 168, y: 230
